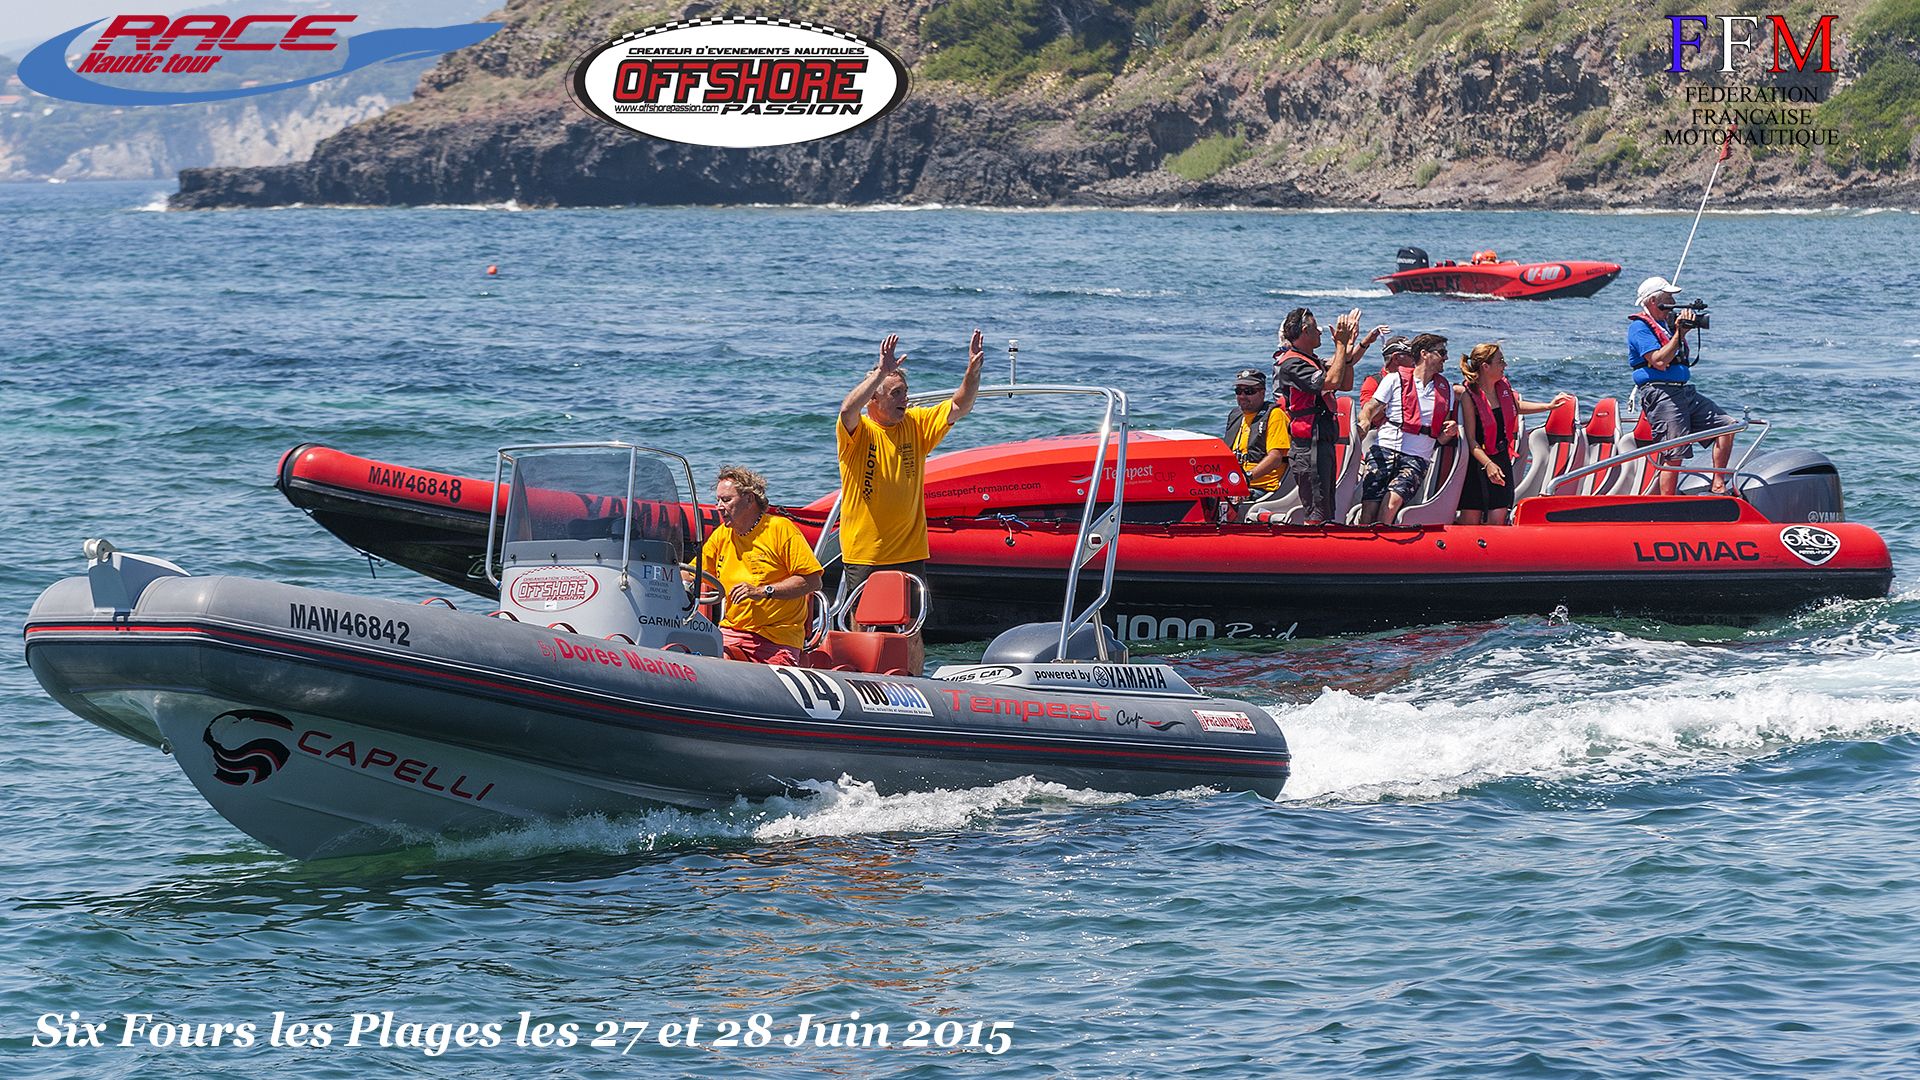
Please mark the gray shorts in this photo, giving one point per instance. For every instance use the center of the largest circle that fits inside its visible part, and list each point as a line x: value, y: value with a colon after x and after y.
x: 1676, y: 409
x: 1390, y: 470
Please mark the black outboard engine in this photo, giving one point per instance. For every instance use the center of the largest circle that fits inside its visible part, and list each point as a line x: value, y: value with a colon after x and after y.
x: 1793, y: 486
x: 1413, y: 258
x: 1039, y: 643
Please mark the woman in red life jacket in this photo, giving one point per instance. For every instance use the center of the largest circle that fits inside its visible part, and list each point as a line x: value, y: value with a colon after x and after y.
x: 1490, y: 424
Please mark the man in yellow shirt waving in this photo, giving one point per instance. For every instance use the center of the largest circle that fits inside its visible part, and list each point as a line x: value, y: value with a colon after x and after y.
x: 883, y: 454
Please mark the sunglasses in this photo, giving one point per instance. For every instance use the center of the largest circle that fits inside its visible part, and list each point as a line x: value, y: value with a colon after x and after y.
x: 1244, y: 391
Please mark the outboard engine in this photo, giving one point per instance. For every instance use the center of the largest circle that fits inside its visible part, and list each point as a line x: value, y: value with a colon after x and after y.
x: 1793, y: 486
x: 1413, y: 258
x: 1039, y: 642
x: 592, y: 540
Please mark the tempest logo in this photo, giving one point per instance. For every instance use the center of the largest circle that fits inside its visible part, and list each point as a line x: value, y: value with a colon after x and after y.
x: 205, y: 40
x: 739, y: 81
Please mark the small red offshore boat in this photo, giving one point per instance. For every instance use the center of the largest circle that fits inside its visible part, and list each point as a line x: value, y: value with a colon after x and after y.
x: 1003, y: 520
x: 1486, y: 274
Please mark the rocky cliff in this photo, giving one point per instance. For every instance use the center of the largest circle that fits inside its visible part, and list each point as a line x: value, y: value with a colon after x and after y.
x: 1196, y: 102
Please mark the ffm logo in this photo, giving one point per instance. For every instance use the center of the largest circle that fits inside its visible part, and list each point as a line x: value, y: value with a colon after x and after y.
x: 1734, y: 30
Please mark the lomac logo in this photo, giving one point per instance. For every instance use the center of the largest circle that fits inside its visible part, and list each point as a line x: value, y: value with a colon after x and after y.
x: 739, y: 81
x: 1690, y: 33
x: 159, y: 48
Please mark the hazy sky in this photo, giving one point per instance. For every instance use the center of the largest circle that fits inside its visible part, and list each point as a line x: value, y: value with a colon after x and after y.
x: 30, y: 22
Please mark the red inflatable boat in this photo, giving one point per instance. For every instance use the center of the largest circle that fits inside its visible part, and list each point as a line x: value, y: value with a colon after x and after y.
x: 1486, y: 274
x: 1586, y: 537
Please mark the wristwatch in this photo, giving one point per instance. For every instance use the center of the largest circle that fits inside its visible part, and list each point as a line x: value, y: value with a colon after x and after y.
x: 766, y: 591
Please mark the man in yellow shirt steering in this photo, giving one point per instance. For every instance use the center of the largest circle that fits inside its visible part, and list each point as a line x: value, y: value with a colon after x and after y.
x: 765, y: 570
x: 883, y: 454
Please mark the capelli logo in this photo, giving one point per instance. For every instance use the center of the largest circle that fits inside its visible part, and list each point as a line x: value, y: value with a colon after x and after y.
x: 739, y: 82
x: 160, y: 48
x: 243, y: 745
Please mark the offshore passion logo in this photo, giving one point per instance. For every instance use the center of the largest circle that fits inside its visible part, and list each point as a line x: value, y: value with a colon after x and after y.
x: 739, y: 82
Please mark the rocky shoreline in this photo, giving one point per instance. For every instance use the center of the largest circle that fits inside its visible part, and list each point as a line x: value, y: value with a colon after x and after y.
x: 1577, y: 128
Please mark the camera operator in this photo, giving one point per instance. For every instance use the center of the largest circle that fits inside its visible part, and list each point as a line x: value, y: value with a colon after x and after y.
x: 1658, y: 353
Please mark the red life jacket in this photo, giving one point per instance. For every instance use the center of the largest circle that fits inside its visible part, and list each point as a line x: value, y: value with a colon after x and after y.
x: 1660, y: 335
x: 1410, y: 405
x: 1302, y: 406
x: 1509, y: 411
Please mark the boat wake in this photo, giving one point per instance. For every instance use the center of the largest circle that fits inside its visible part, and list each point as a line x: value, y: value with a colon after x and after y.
x: 1337, y: 294
x: 845, y: 808
x: 1352, y: 749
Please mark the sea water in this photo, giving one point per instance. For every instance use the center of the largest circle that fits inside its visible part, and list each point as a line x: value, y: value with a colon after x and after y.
x: 1552, y: 845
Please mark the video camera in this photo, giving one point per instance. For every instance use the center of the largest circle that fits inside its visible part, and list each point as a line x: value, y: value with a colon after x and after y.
x: 1694, y: 314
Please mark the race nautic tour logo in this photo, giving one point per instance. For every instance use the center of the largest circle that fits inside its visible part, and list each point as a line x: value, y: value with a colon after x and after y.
x: 739, y: 82
x: 159, y: 48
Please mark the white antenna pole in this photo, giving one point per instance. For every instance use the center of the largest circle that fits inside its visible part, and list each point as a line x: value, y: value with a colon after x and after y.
x: 1726, y: 151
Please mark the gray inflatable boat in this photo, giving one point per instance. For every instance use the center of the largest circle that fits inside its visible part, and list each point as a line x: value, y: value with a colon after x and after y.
x: 324, y: 724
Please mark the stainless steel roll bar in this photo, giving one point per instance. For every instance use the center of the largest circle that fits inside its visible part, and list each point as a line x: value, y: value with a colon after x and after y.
x: 1099, y: 528
x: 1732, y: 472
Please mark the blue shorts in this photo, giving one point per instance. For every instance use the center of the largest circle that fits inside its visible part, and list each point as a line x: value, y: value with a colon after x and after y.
x: 1390, y: 470
x: 1676, y: 409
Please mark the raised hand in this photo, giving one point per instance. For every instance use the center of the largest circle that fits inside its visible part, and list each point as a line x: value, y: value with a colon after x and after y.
x: 1346, y: 327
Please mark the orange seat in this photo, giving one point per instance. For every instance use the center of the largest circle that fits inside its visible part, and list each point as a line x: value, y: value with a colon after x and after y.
x: 886, y: 600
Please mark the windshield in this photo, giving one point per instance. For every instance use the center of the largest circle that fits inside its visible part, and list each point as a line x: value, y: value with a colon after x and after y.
x: 581, y: 494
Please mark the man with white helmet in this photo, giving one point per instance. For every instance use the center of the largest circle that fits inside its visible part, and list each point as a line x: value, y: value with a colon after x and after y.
x: 1657, y: 351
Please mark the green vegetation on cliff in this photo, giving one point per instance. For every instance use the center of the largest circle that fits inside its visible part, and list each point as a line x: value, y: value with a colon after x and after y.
x: 1877, y: 115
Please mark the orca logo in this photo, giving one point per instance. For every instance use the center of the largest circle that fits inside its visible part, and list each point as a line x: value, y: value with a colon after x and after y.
x: 739, y: 81
x: 242, y: 753
x: 1811, y: 545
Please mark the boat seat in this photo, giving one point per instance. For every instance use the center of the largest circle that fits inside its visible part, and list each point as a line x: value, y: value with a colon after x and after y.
x: 1603, y: 429
x: 1353, y: 454
x: 1342, y: 437
x: 1554, y: 449
x: 1446, y: 480
x: 1346, y: 490
x: 1633, y: 477
x: 888, y: 609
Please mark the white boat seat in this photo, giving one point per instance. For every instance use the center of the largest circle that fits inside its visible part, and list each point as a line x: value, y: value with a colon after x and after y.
x: 1346, y: 486
x: 1446, y: 480
x: 1554, y: 449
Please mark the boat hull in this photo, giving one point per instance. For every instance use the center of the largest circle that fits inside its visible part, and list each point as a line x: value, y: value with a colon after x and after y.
x: 324, y: 724
x: 1276, y: 593
x: 1506, y: 281
x: 1687, y: 559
